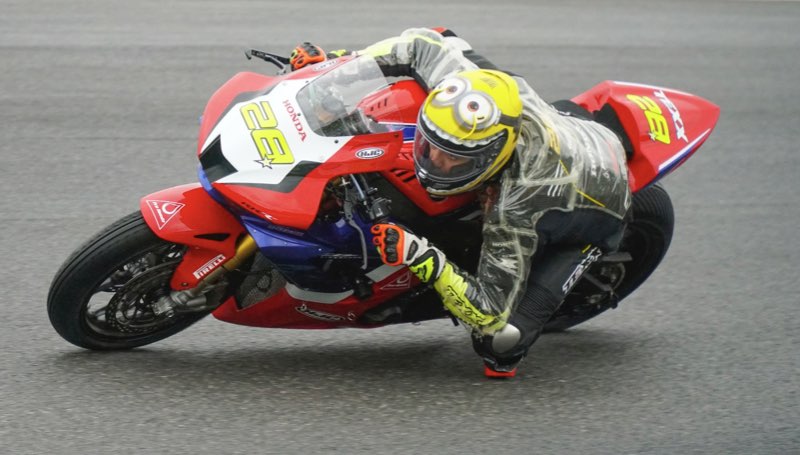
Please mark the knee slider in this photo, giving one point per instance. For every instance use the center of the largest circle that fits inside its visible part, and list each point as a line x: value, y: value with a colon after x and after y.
x: 506, y: 339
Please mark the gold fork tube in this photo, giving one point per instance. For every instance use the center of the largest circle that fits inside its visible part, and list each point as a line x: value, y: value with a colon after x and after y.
x: 244, y: 249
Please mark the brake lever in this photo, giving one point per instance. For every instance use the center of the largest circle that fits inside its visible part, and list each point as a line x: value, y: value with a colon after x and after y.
x: 281, y: 62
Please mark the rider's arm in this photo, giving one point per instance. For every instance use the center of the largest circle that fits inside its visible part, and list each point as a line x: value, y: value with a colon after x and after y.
x: 415, y: 53
x: 485, y: 300
x: 421, y: 53
x: 427, y: 55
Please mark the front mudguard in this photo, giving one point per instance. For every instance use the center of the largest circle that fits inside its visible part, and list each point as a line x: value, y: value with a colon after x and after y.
x: 188, y: 215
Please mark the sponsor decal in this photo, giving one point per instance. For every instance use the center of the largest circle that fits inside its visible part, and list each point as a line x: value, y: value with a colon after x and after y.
x: 320, y: 315
x: 591, y: 257
x: 298, y: 125
x: 163, y: 211
x: 369, y: 154
x: 557, y: 190
x: 680, y: 131
x: 455, y: 300
x: 659, y: 131
x: 402, y: 282
x: 206, y: 268
x: 323, y: 65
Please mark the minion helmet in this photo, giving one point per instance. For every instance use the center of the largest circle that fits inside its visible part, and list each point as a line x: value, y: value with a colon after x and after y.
x: 467, y: 129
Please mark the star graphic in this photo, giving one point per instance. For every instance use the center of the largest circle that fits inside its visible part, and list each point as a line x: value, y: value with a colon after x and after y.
x: 266, y: 162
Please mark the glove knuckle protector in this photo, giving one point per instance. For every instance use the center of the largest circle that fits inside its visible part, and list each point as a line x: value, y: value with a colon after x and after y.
x: 306, y: 54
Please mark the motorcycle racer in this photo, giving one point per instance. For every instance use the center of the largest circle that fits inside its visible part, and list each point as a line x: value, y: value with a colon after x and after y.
x: 553, y: 185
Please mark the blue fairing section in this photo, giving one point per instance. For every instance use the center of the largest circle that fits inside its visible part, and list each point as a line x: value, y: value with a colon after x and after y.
x: 678, y: 159
x: 408, y: 129
x: 201, y: 175
x: 285, y: 249
x: 317, y: 259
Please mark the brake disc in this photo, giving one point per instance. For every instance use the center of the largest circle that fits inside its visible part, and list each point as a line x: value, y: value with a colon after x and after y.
x: 130, y: 310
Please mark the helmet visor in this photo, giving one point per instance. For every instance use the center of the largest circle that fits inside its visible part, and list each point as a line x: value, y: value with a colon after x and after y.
x: 445, y: 162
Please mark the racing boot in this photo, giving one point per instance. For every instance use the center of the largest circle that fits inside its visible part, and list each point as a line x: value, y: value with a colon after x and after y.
x: 500, y: 352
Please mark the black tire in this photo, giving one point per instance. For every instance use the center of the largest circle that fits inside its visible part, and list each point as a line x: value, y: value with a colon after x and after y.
x: 130, y: 267
x: 646, y: 241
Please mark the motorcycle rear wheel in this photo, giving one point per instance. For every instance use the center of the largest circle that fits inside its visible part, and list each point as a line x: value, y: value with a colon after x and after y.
x: 102, y: 296
x: 647, y: 238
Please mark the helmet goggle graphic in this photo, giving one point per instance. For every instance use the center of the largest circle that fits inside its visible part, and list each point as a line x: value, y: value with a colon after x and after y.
x: 473, y: 110
x: 450, y: 163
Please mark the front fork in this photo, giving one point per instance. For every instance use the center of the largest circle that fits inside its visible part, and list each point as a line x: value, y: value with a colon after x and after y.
x: 216, y: 242
x: 196, y: 298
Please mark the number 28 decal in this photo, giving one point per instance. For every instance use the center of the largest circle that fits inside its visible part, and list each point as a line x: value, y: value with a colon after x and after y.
x: 269, y: 140
x: 659, y: 131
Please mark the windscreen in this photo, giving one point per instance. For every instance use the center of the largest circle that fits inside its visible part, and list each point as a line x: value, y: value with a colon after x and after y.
x: 330, y: 102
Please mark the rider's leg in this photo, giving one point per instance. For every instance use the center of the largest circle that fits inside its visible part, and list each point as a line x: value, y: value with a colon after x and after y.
x: 556, y: 271
x: 571, y: 242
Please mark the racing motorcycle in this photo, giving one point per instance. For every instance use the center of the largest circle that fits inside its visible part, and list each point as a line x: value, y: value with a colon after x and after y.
x: 295, y: 167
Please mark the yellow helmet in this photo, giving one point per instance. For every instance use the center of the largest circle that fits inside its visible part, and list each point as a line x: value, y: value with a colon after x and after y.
x: 466, y: 130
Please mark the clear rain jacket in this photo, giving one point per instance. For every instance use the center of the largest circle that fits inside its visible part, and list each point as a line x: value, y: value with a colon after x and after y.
x: 560, y: 163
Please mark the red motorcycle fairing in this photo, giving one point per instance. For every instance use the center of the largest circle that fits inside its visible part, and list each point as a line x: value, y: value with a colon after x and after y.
x: 187, y: 215
x: 398, y: 104
x: 665, y: 126
x: 644, y: 111
x: 225, y: 97
x: 295, y: 202
x: 293, y: 308
x: 242, y: 86
x: 397, y: 107
x: 403, y: 177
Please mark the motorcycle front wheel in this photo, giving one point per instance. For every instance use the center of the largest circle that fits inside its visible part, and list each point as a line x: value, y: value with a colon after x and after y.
x: 102, y: 297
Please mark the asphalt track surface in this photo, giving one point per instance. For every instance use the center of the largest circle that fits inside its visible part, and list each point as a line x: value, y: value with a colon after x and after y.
x: 100, y: 101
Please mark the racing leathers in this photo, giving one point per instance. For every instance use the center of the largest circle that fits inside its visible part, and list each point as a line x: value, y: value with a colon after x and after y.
x: 554, y: 209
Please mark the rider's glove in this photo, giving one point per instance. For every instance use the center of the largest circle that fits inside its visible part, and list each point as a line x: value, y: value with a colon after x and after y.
x: 400, y: 247
x: 306, y: 54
